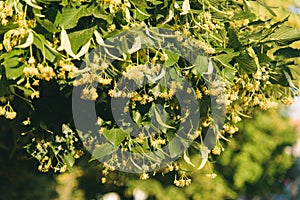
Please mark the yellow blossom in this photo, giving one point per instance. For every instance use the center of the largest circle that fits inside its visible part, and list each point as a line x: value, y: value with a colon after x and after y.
x: 35, y: 94
x: 10, y: 115
x: 216, y: 150
x: 144, y: 176
x: 30, y: 71
x: 2, y: 111
x: 36, y: 83
x: 113, y: 2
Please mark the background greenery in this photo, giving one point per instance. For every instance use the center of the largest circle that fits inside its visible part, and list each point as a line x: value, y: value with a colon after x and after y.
x: 255, y: 163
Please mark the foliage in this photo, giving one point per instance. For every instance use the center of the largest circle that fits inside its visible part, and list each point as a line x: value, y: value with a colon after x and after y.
x: 84, y: 182
x: 254, y: 164
x: 44, y: 43
x: 258, y: 158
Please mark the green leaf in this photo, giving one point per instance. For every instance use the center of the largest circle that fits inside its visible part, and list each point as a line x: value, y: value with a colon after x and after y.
x: 140, y: 4
x: 13, y: 68
x: 69, y: 160
x: 4, y: 29
x: 41, y: 43
x: 80, y: 38
x: 155, y: 2
x: 27, y: 92
x: 99, y: 12
x: 141, y: 14
x: 259, y: 32
x: 295, y: 71
x: 263, y: 57
x: 177, y: 146
x: 225, y: 59
x: 201, y: 65
x: 262, y: 3
x: 12, y: 53
x: 172, y: 58
x: 287, y: 52
x: 243, y: 15
x: 103, y: 150
x: 48, y: 25
x: 71, y: 16
x: 64, y: 2
x: 278, y: 77
x: 282, y: 34
x: 116, y: 136
x: 246, y: 63
x: 229, y: 74
x: 57, y: 18
x: 160, y: 116
x: 234, y: 41
x: 14, y: 72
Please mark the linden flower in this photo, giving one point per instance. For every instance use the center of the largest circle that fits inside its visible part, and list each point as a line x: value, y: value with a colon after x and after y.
x: 103, y: 180
x: 183, y: 181
x: 2, y: 111
x: 216, y: 150
x: 30, y: 71
x: 212, y: 175
x: 144, y: 176
x: 67, y: 67
x: 36, y: 83
x: 63, y: 169
x: 113, y: 2
x: 10, y: 115
x: 89, y: 94
x: 235, y: 118
x: 135, y: 72
x: 35, y: 94
x: 1, y: 5
x: 31, y: 60
x: 198, y: 94
x: 27, y: 85
x: 46, y: 73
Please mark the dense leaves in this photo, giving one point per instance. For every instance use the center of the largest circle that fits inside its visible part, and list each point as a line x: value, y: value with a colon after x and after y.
x: 221, y: 54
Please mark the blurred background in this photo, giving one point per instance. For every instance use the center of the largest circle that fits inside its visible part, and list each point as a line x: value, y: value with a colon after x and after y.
x: 261, y: 162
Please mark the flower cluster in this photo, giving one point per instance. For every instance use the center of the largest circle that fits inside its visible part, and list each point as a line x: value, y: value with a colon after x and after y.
x: 13, y: 38
x: 212, y: 175
x: 91, y: 78
x: 135, y: 72
x: 67, y: 70
x: 40, y: 71
x: 6, y: 11
x: 62, y: 145
x: 156, y: 143
x: 7, y: 111
x: 89, y: 94
x: 113, y: 5
x: 182, y: 181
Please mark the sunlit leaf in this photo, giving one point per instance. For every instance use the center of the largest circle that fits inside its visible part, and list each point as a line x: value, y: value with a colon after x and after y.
x: 102, y: 150
x: 116, y: 136
x: 71, y: 15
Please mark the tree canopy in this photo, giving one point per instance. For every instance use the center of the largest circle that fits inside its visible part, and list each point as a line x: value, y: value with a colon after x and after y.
x: 143, y: 86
